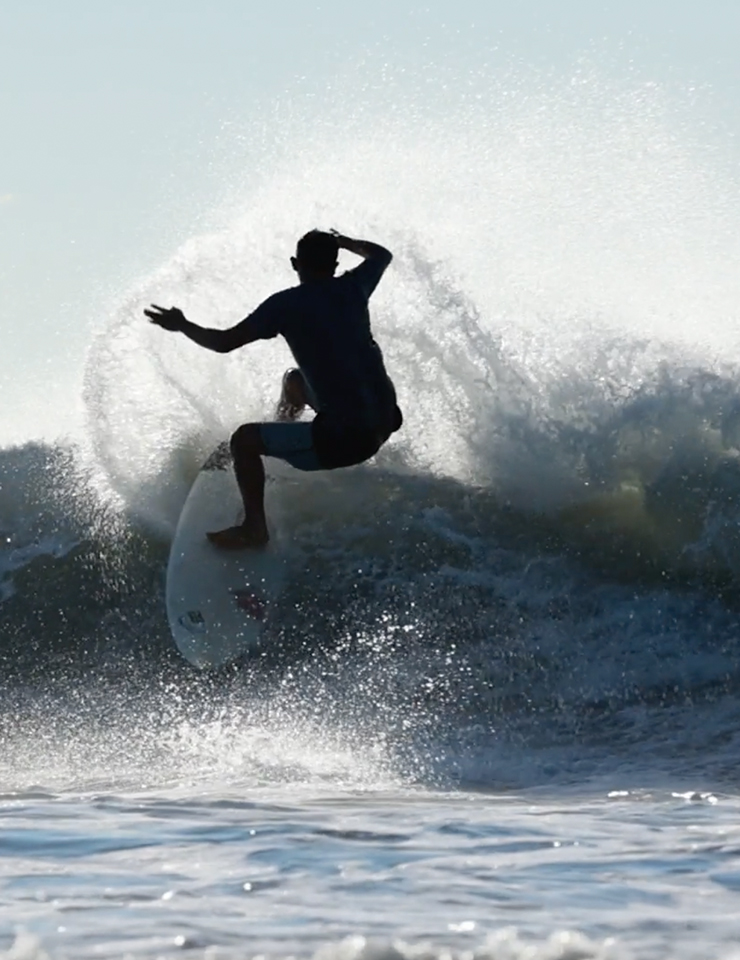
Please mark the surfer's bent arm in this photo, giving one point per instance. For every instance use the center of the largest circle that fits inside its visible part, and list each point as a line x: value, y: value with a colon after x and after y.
x: 364, y: 248
x: 375, y: 259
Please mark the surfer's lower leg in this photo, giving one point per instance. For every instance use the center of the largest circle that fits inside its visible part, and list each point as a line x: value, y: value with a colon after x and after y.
x: 293, y: 398
x: 246, y: 450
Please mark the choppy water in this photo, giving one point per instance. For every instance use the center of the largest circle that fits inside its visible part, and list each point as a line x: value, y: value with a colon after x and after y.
x: 497, y: 716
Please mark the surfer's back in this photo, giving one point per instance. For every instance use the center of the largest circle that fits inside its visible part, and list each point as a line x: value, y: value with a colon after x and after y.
x: 326, y: 324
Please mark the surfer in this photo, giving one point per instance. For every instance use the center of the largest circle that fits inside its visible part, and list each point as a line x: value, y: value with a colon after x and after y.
x: 340, y: 373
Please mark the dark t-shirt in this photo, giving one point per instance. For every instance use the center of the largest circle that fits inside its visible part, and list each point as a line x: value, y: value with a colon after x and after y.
x: 327, y: 327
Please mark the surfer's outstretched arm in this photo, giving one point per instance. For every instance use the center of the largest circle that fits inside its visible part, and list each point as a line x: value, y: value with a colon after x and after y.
x: 221, y: 341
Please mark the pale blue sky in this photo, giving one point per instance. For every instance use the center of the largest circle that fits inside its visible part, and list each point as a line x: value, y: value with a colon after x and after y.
x: 110, y: 111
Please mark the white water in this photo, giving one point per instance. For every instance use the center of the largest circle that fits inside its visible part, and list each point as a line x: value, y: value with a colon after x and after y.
x: 558, y: 247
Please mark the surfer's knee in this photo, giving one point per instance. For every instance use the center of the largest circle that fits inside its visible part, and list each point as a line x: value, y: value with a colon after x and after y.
x: 247, y: 440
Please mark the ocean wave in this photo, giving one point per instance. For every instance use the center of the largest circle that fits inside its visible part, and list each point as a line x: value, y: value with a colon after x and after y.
x: 507, y: 942
x: 458, y: 595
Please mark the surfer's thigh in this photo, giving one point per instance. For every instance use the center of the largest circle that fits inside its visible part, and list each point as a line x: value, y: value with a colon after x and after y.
x: 343, y: 444
x: 291, y: 442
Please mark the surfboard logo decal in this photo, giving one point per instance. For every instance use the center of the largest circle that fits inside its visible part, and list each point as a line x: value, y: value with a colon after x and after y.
x: 248, y: 601
x: 194, y: 621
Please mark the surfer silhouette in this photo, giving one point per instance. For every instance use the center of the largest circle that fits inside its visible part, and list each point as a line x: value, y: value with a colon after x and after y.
x: 340, y: 373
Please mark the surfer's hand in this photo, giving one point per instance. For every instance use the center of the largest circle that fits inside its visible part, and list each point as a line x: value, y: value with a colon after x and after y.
x: 340, y: 238
x: 169, y: 318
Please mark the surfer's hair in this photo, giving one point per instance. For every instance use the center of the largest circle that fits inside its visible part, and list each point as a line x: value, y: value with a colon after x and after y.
x: 318, y: 250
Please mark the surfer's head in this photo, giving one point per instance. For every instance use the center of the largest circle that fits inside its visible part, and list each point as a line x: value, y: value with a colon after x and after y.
x: 316, y: 255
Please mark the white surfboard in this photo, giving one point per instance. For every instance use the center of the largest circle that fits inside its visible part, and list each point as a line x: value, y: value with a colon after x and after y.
x: 218, y: 601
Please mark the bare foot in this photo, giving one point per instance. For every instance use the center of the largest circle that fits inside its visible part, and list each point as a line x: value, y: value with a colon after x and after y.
x: 288, y: 412
x: 239, y: 538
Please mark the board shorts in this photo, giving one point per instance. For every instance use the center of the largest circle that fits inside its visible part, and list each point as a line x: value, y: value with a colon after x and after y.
x: 322, y: 444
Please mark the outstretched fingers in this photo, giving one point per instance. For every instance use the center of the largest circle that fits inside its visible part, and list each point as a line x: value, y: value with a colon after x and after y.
x: 155, y: 311
x: 169, y: 318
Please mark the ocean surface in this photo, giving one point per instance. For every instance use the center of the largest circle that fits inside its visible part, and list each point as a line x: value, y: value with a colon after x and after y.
x: 497, y: 714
